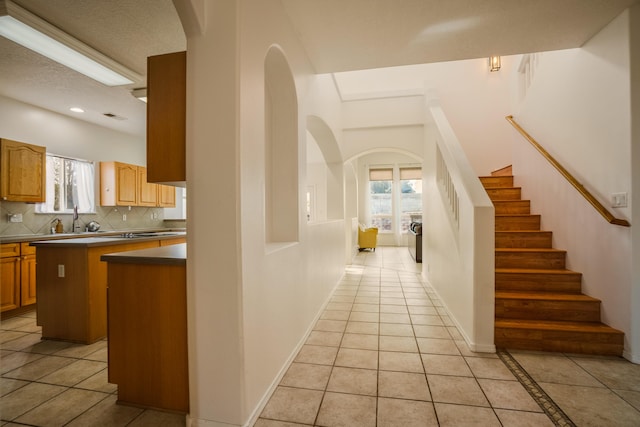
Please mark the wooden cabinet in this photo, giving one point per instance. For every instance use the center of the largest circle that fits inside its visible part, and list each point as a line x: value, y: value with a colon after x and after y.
x: 147, y: 192
x: 27, y: 274
x: 18, y: 276
x: 148, y: 356
x: 23, y: 172
x: 10, y: 283
x: 166, y: 117
x: 166, y: 196
x: 72, y: 300
x: 123, y: 184
x: 118, y: 184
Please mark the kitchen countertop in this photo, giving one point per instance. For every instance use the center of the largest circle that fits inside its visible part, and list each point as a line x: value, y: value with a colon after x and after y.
x: 110, y: 240
x: 44, y: 237
x: 164, y: 255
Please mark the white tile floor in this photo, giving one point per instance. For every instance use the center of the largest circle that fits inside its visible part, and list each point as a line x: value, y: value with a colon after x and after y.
x: 384, y: 353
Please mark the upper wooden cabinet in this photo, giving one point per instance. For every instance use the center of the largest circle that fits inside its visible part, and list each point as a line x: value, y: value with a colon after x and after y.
x: 23, y: 172
x: 118, y: 184
x: 122, y: 184
x: 166, y: 118
x: 147, y: 192
x: 166, y: 196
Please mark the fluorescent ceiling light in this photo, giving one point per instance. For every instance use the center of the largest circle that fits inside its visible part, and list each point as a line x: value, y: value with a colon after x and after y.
x: 28, y: 30
x: 76, y: 109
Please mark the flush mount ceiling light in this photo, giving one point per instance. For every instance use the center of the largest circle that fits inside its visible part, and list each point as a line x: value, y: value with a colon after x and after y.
x: 141, y: 94
x: 28, y: 30
x: 76, y: 109
x: 494, y: 63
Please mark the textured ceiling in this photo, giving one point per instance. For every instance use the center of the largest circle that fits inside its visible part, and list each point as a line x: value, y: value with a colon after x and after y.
x: 338, y: 35
x: 125, y: 30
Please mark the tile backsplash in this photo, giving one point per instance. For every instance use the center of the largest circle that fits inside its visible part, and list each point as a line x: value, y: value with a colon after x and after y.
x: 109, y: 217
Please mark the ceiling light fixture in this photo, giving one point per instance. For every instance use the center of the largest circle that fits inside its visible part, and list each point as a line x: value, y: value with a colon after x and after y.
x: 76, y: 109
x: 494, y: 63
x: 141, y: 94
x: 32, y: 32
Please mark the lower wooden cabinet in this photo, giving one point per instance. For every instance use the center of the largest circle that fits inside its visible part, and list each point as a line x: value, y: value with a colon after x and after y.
x: 18, y: 276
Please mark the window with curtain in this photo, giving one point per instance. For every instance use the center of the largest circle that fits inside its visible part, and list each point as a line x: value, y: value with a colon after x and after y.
x: 70, y: 183
x: 410, y: 197
x: 381, y: 198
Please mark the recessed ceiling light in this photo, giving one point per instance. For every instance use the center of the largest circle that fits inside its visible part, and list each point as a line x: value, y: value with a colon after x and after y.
x: 76, y: 109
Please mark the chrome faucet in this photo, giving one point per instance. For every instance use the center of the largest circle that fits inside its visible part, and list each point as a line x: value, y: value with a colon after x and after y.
x: 76, y: 223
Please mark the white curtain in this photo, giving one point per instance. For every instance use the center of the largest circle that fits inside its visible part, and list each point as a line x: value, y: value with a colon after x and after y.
x: 84, y: 194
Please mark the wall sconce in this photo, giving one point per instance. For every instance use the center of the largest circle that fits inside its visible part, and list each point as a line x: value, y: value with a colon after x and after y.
x: 494, y: 63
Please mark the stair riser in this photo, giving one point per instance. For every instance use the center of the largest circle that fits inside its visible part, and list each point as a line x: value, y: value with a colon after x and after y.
x: 514, y: 223
x: 571, y: 311
x: 503, y: 207
x: 540, y: 239
x: 534, y: 260
x: 539, y: 282
x: 560, y: 341
x: 497, y: 181
x: 504, y: 193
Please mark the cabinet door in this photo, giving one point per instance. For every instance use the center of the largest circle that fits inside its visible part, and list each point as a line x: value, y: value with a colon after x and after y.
x: 9, y: 283
x: 147, y: 192
x: 126, y: 184
x: 23, y: 172
x: 166, y: 196
x: 28, y: 275
x: 166, y: 117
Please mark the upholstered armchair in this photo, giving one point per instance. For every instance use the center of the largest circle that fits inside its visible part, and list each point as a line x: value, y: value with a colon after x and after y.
x: 367, y: 237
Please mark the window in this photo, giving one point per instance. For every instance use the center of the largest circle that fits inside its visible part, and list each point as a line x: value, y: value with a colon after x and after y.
x: 410, y: 197
x: 395, y: 198
x: 381, y: 198
x: 70, y: 183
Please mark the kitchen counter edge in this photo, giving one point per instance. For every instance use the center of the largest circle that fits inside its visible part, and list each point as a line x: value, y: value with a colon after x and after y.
x: 164, y: 255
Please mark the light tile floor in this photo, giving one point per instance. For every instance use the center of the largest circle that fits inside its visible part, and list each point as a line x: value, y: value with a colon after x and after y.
x: 385, y: 353
x: 52, y: 383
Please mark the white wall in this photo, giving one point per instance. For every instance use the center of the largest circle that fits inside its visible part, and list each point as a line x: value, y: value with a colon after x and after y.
x: 578, y: 108
x: 67, y: 136
x: 474, y: 99
x: 250, y: 304
x: 458, y: 248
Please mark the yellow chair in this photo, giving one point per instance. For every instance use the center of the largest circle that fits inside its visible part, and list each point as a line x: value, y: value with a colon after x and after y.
x: 367, y: 237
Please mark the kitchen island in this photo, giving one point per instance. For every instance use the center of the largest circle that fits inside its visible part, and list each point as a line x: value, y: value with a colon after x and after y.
x: 71, y: 282
x: 147, y: 327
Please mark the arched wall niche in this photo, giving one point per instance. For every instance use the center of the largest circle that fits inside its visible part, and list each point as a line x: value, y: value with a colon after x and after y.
x: 281, y: 149
x: 324, y: 175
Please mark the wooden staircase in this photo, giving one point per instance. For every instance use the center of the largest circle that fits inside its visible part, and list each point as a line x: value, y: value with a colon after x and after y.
x: 539, y: 304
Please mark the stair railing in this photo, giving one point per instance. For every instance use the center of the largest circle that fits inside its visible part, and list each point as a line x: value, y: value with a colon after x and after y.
x: 585, y: 193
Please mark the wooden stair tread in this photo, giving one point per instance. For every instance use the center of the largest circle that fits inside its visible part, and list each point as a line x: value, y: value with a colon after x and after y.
x: 544, y: 296
x: 536, y: 271
x: 555, y: 325
x: 531, y: 250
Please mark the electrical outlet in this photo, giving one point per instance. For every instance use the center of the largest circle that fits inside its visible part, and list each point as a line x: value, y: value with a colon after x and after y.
x: 619, y: 200
x: 60, y: 270
x: 124, y: 217
x: 14, y: 217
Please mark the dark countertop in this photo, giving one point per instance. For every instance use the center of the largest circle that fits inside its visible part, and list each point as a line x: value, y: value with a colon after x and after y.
x: 164, y: 255
x: 20, y: 238
x: 109, y: 240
